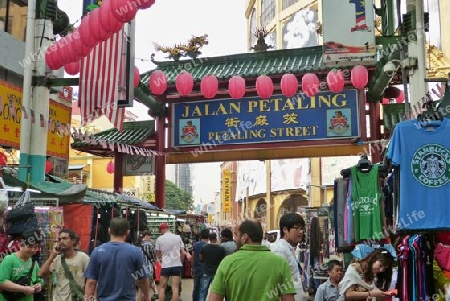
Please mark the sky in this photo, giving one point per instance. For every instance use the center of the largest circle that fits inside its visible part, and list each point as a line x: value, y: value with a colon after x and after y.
x: 170, y: 22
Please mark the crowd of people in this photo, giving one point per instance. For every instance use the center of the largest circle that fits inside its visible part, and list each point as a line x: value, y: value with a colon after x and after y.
x: 237, y: 266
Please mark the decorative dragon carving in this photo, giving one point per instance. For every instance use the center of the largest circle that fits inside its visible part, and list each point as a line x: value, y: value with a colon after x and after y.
x: 261, y: 34
x: 190, y: 49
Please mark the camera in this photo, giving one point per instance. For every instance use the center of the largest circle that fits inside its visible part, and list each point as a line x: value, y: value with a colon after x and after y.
x: 390, y: 68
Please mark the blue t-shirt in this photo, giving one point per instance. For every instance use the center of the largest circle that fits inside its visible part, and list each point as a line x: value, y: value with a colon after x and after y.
x: 116, y: 267
x: 423, y: 154
x: 199, y: 265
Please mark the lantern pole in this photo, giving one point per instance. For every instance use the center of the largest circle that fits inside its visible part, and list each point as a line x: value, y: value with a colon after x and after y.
x: 118, y: 172
x: 33, y: 151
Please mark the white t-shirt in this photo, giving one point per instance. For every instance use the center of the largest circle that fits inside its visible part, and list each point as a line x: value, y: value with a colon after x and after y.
x: 170, y: 246
x: 77, y: 266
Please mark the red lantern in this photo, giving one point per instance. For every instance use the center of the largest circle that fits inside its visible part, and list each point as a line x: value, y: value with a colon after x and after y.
x: 184, y: 83
x: 97, y: 31
x: 385, y: 101
x: 310, y: 84
x: 72, y: 55
x: 110, y: 167
x: 109, y: 23
x: 72, y: 68
x: 359, y: 76
x: 236, y: 87
x: 335, y: 81
x: 391, y: 92
x: 3, y: 159
x: 77, y: 45
x: 401, y: 97
x: 50, y: 58
x: 289, y: 84
x: 124, y: 10
x: 264, y: 86
x: 137, y: 77
x: 209, y: 86
x: 48, y: 166
x: 144, y: 4
x: 86, y: 36
x: 157, y: 82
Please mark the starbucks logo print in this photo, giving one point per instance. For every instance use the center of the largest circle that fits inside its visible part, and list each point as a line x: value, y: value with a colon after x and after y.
x: 430, y: 165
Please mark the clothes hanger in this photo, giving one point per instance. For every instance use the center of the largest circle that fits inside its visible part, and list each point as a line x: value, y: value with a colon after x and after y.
x: 364, y: 164
x: 430, y: 117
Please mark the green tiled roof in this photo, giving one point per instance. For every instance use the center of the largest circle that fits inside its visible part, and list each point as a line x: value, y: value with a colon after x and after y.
x: 247, y: 65
x: 134, y: 132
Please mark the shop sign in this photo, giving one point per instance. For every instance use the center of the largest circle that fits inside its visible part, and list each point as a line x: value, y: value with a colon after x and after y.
x: 226, y: 190
x: 137, y: 165
x: 254, y: 120
x: 57, y: 139
x: 10, y: 114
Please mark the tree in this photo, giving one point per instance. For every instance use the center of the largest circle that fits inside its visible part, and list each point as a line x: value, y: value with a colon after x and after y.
x: 176, y: 198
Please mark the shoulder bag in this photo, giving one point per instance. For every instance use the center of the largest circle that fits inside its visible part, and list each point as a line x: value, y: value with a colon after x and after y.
x: 24, y: 280
x: 76, y: 290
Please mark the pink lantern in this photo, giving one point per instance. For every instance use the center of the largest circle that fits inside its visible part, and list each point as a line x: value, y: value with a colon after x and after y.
x: 77, y: 45
x: 157, y: 82
x: 124, y: 10
x: 236, y: 87
x: 401, y: 97
x: 3, y: 160
x: 50, y: 59
x: 137, y: 77
x: 335, y: 81
x: 359, y: 76
x: 110, y: 167
x: 72, y: 55
x: 289, y: 84
x: 85, y: 33
x: 109, y: 23
x: 97, y: 31
x: 385, y: 101
x: 209, y: 86
x: 64, y: 52
x: 310, y: 84
x: 48, y: 166
x: 184, y: 83
x: 144, y: 4
x: 72, y: 68
x: 53, y: 56
x: 264, y: 86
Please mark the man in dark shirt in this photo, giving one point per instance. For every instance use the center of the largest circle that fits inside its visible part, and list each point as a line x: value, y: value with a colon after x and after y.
x: 197, y: 265
x: 211, y: 254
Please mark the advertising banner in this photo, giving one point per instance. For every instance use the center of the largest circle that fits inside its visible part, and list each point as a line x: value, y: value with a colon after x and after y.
x: 226, y: 190
x: 212, y: 123
x: 348, y: 32
x: 137, y: 165
x: 12, y: 112
x: 57, y: 141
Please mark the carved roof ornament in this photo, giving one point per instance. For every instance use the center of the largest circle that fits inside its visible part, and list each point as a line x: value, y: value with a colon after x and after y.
x: 261, y: 34
x: 438, y: 65
x: 190, y: 49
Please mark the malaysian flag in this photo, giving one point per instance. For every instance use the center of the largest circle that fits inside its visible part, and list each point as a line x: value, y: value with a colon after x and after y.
x: 99, y: 81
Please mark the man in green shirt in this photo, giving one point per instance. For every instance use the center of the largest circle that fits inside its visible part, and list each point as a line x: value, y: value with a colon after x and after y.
x: 19, y: 264
x: 253, y: 272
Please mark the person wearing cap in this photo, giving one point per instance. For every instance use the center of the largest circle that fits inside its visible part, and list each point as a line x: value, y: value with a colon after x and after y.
x: 170, y: 250
x: 18, y: 264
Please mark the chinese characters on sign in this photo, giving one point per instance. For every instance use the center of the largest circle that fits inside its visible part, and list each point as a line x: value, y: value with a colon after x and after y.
x: 57, y: 140
x: 253, y: 120
x: 226, y: 190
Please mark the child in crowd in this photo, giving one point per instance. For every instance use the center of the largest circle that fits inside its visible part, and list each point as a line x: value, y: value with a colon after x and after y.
x: 329, y: 291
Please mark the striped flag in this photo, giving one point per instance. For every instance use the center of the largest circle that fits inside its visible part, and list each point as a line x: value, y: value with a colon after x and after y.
x: 99, y: 81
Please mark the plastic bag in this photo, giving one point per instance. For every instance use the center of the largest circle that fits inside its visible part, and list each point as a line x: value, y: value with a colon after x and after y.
x: 23, y: 210
x: 3, y: 196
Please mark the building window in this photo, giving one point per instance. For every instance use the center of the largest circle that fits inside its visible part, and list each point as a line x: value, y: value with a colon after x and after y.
x: 253, y: 28
x: 267, y: 12
x: 287, y: 3
x: 13, y: 18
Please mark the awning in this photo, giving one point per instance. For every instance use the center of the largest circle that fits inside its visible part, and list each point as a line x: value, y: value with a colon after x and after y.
x: 77, y: 167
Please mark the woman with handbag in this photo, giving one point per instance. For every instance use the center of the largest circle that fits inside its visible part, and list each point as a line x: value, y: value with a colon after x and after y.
x: 19, y: 278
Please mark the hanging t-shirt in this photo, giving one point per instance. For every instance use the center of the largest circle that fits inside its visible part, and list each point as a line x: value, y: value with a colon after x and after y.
x: 423, y: 154
x: 366, y: 199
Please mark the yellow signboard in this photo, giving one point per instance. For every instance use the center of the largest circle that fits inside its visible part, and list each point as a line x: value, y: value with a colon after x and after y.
x: 57, y: 139
x: 210, y: 218
x: 12, y: 112
x: 149, y: 197
x: 226, y: 190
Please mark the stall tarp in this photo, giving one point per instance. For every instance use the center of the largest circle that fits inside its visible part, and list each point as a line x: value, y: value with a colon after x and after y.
x: 78, y: 217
